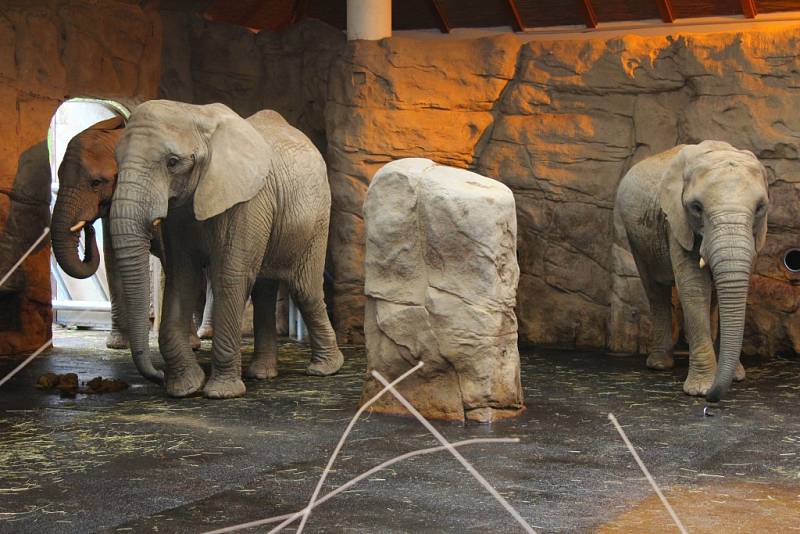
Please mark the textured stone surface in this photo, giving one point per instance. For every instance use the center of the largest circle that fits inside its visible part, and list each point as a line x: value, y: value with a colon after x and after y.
x: 206, y: 62
x: 560, y: 122
x: 441, y: 282
x: 49, y: 51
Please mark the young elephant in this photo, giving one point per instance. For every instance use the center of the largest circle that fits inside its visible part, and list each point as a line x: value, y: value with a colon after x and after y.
x: 250, y: 200
x: 694, y: 214
x: 87, y: 178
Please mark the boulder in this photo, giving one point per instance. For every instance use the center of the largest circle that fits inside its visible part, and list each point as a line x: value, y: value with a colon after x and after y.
x: 441, y: 280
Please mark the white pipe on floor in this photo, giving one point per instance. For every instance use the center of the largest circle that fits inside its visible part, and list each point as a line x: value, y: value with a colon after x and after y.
x: 82, y: 305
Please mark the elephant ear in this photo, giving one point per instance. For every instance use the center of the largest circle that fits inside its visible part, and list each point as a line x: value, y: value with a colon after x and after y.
x: 113, y: 123
x: 671, y: 200
x: 761, y: 226
x: 237, y: 167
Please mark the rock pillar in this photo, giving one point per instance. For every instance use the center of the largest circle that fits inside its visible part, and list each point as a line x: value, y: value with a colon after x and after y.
x: 441, y: 280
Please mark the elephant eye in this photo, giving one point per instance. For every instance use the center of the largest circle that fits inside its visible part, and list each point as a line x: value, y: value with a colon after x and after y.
x: 761, y: 208
x: 696, y: 208
x: 173, y: 161
x: 97, y: 182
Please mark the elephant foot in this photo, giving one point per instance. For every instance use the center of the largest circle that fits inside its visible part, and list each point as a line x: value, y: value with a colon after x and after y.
x: 194, y: 341
x: 117, y: 340
x: 660, y: 361
x: 325, y: 366
x: 205, y: 331
x: 697, y: 384
x: 263, y: 367
x: 186, y: 381
x: 226, y: 387
x: 740, y: 373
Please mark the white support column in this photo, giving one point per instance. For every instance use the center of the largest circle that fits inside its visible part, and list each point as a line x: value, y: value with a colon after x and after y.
x: 297, y: 327
x: 369, y: 19
x: 156, y: 293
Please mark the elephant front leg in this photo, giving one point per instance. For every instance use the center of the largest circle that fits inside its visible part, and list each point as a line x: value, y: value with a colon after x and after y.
x: 230, y: 295
x: 265, y: 354
x: 694, y: 292
x: 118, y: 337
x: 183, y: 375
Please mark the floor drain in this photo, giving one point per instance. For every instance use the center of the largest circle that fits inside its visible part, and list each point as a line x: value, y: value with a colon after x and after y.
x: 791, y: 260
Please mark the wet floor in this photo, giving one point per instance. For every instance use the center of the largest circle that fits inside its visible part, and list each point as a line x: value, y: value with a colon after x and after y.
x: 137, y: 461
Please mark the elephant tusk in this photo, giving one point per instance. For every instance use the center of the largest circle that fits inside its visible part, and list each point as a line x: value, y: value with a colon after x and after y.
x: 77, y: 227
x: 702, y: 262
x: 156, y: 223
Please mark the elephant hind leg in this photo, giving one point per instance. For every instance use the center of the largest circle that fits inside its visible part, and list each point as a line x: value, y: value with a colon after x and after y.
x: 265, y: 354
x: 118, y: 337
x: 326, y: 358
x: 660, y: 297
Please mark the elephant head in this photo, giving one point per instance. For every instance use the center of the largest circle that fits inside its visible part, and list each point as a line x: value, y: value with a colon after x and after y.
x: 87, y: 177
x: 175, y: 154
x: 715, y: 198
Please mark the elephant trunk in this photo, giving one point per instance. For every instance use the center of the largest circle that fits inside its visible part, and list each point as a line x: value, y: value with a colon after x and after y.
x: 66, y: 214
x: 730, y: 257
x: 131, y: 241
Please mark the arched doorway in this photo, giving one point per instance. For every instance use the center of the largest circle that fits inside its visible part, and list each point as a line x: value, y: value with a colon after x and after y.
x: 79, y: 302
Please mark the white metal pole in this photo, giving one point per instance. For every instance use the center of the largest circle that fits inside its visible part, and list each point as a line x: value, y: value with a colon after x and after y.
x: 369, y: 19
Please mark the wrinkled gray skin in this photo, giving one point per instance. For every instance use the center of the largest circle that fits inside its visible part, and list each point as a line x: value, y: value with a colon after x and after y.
x: 255, y: 192
x: 708, y: 200
x: 28, y: 214
x: 87, y: 178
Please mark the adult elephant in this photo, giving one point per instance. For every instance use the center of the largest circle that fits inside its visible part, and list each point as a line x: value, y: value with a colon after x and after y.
x: 250, y: 200
x: 684, y: 209
x: 87, y: 179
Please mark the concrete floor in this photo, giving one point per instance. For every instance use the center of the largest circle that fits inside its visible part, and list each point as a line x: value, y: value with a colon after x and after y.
x: 136, y: 461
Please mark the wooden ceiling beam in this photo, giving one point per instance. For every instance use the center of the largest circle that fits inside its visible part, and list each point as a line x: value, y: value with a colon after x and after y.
x: 519, y: 24
x: 444, y: 26
x: 665, y: 9
x: 588, y: 13
x: 749, y: 8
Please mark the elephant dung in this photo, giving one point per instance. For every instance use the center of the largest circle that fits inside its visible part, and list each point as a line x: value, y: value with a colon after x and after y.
x: 441, y: 280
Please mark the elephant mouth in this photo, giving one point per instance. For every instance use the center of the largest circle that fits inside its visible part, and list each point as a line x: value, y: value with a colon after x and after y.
x: 104, y: 209
x: 791, y: 260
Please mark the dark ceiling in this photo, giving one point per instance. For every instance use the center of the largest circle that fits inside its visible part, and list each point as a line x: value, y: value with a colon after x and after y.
x: 518, y: 14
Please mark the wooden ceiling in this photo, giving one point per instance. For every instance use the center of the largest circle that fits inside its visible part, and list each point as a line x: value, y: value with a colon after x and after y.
x: 518, y: 14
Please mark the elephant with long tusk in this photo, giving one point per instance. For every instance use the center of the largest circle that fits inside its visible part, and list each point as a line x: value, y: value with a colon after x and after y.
x: 695, y: 217
x: 87, y: 179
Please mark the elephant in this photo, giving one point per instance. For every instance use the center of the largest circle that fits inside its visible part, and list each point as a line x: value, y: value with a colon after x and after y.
x: 87, y: 179
x: 249, y: 200
x: 695, y: 217
x: 28, y: 215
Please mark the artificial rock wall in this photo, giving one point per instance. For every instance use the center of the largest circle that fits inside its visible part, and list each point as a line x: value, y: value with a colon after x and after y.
x: 50, y: 51
x: 205, y: 62
x: 560, y: 122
